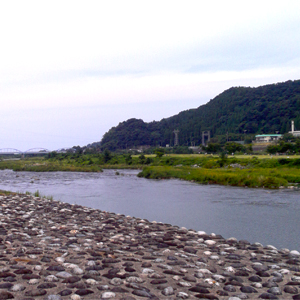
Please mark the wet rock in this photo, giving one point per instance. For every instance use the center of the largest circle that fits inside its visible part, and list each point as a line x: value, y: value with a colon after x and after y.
x: 290, y: 289
x: 83, y: 292
x: 158, y: 281
x: 56, y: 268
x: 103, y: 287
x: 230, y: 288
x: 71, y: 279
x: 46, y: 285
x: 189, y: 278
x: 268, y: 296
x: 198, y: 289
x: 6, y: 285
x: 77, y: 285
x: 275, y: 291
x: 35, y: 293
x: 142, y: 293
x: 190, y: 250
x: 205, y: 296
x: 118, y: 289
x: 248, y: 289
x: 270, y: 284
x: 255, y: 278
x: 6, y: 295
x: 65, y: 292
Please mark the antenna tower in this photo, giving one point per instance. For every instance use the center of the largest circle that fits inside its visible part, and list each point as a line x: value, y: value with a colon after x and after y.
x: 176, y: 137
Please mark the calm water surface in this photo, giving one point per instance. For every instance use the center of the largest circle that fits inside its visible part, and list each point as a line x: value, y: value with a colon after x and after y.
x: 257, y: 215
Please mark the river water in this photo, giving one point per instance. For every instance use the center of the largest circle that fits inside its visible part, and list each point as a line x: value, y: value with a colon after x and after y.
x: 271, y: 217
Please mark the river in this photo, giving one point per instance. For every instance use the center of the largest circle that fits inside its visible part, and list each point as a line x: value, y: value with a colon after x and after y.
x: 271, y: 217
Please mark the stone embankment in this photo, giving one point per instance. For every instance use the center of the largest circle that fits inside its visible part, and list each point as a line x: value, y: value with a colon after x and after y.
x: 53, y: 250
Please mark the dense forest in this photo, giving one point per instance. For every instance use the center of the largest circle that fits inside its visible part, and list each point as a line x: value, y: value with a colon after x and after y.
x: 237, y: 112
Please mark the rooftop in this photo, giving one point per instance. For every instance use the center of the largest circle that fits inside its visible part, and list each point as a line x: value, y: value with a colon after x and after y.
x: 261, y: 135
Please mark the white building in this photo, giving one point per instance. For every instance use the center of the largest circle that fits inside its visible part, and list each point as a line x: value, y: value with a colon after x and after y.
x: 267, y: 138
x: 293, y: 132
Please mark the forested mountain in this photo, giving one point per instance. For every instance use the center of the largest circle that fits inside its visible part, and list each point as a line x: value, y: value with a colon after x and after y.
x: 265, y: 109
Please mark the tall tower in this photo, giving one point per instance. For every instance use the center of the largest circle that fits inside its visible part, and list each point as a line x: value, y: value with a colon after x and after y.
x: 176, y: 137
x: 205, y: 134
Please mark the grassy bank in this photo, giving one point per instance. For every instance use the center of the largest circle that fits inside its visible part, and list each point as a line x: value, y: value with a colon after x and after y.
x: 255, y: 178
x: 247, y: 171
x: 42, y: 165
x: 6, y: 193
x: 244, y: 171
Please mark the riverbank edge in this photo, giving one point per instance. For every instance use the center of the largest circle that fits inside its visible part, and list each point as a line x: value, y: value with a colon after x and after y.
x: 209, y: 176
x: 238, y: 178
x: 241, y: 172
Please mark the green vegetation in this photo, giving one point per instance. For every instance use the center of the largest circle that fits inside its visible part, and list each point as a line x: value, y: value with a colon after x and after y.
x: 289, y: 144
x: 38, y: 194
x: 76, y: 162
x: 35, y: 194
x: 6, y: 193
x: 234, y: 171
x: 245, y: 178
x: 47, y: 165
x: 238, y: 170
x: 237, y: 114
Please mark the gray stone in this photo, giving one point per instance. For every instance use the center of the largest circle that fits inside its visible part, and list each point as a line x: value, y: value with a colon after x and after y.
x: 142, y: 293
x: 182, y: 295
x: 116, y: 281
x: 168, y: 291
x: 17, y: 288
x: 63, y: 274
x: 275, y: 291
x: 229, y: 288
x: 248, y: 289
x: 290, y: 289
x: 108, y: 295
x: 53, y: 297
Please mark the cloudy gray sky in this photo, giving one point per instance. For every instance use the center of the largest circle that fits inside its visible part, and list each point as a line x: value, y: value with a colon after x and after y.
x: 70, y: 70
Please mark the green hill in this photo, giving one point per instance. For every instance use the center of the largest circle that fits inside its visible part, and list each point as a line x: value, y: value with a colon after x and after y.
x: 238, y: 110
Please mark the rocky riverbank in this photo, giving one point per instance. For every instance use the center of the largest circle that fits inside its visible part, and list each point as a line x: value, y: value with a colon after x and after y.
x: 54, y: 250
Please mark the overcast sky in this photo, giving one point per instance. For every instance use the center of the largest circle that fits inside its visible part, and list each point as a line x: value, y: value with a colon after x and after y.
x: 70, y: 70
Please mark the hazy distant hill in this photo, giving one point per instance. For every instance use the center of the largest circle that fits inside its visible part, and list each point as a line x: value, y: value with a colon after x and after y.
x: 265, y: 109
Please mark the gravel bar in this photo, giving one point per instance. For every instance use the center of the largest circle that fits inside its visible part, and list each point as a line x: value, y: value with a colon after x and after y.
x: 53, y: 250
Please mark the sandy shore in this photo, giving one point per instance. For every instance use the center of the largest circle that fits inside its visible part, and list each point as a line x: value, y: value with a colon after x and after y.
x: 54, y: 250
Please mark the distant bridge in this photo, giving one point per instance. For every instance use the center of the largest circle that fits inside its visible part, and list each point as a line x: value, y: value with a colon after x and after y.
x: 35, y: 151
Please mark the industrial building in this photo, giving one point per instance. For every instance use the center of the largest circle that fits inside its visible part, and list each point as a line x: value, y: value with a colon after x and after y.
x: 267, y: 138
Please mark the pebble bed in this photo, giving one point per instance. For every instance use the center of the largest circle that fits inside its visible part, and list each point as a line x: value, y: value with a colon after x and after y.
x: 54, y: 250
